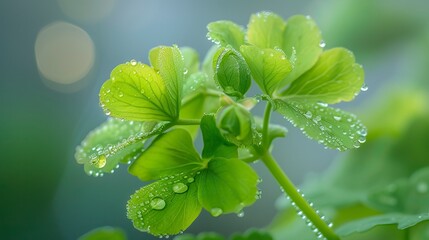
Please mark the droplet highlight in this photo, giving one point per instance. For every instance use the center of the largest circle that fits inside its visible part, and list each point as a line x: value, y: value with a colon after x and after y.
x: 180, y: 188
x: 157, y: 203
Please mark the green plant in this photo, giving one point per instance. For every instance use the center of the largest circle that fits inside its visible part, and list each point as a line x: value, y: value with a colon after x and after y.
x: 173, y: 98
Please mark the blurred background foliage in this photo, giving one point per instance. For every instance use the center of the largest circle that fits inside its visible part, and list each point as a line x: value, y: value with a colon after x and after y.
x: 55, y: 54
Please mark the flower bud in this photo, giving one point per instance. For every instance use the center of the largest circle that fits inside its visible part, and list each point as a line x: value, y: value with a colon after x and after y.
x: 235, y: 122
x: 232, y: 73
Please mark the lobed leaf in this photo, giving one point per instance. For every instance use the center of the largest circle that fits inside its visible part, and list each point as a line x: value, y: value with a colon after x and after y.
x: 165, y: 207
x: 265, y: 30
x: 104, y: 233
x: 170, y: 153
x: 113, y: 142
x: 136, y: 91
x: 402, y: 221
x: 226, y: 186
x: 334, y: 78
x: 268, y: 66
x: 329, y: 126
x: 214, y: 143
x: 302, y: 41
x: 226, y: 33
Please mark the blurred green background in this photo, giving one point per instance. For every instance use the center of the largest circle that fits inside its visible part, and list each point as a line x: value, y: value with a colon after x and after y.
x: 55, y: 54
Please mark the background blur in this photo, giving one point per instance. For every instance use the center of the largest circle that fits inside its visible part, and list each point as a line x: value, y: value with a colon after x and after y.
x: 55, y: 55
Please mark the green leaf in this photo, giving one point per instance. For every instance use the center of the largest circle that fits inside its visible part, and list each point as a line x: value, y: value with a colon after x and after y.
x: 214, y: 143
x: 193, y: 84
x: 268, y: 66
x: 136, y: 91
x: 265, y: 30
x: 209, y: 64
x: 232, y: 73
x: 405, y: 195
x: 237, y: 125
x: 113, y: 142
x: 104, y: 233
x: 252, y: 234
x: 301, y: 40
x: 170, y: 153
x: 402, y: 220
x: 169, y: 63
x: 274, y: 130
x: 165, y: 207
x: 191, y: 60
x: 226, y: 186
x: 226, y: 33
x: 329, y: 126
x: 334, y: 78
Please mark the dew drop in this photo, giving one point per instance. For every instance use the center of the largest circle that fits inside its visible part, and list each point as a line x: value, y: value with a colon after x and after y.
x: 215, y: 212
x: 120, y: 94
x: 191, y: 180
x: 100, y: 161
x: 362, y: 139
x: 322, y: 44
x: 337, y: 118
x: 364, y: 87
x: 308, y: 114
x: 157, y: 203
x: 180, y: 188
x: 240, y: 213
x: 133, y: 62
x: 185, y: 71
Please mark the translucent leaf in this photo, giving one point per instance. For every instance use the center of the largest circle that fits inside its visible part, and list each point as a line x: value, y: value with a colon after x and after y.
x: 214, y: 143
x: 402, y: 221
x: 232, y: 73
x: 208, y: 65
x: 268, y: 66
x: 170, y: 153
x: 302, y: 42
x: 136, y: 91
x: 265, y: 30
x: 194, y: 83
x: 227, y: 186
x: 113, y: 142
x: 334, y: 78
x: 236, y: 125
x: 226, y: 33
x: 104, y: 233
x: 405, y: 195
x: 191, y: 60
x: 169, y: 63
x: 329, y: 126
x: 165, y: 207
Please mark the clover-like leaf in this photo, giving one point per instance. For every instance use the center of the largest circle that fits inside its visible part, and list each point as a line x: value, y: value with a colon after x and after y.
x: 334, y: 78
x: 402, y: 221
x: 268, y: 66
x: 104, y: 233
x: 226, y: 33
x: 409, y: 196
x: 136, y: 91
x: 232, y: 72
x: 265, y: 30
x: 113, y: 142
x: 165, y: 207
x: 329, y: 126
x: 301, y: 40
x: 226, y: 186
x: 170, y: 153
x: 214, y: 143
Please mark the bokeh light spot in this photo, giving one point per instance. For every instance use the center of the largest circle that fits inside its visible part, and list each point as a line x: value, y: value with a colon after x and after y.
x: 64, y: 53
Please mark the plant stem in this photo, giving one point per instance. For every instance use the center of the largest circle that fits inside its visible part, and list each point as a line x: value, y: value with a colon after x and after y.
x: 187, y: 122
x: 297, y: 198
x: 266, y: 124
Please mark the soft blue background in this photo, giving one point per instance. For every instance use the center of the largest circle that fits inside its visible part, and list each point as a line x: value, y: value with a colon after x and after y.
x: 44, y: 193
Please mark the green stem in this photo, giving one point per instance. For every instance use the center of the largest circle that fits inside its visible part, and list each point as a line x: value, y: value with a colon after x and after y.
x: 187, y: 122
x: 265, y: 126
x: 297, y: 198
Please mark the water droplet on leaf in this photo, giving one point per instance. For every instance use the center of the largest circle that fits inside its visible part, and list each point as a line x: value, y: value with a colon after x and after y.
x: 364, y: 87
x: 133, y: 62
x: 157, y: 203
x: 180, y: 188
x: 322, y: 44
x: 190, y: 180
x: 215, y: 212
